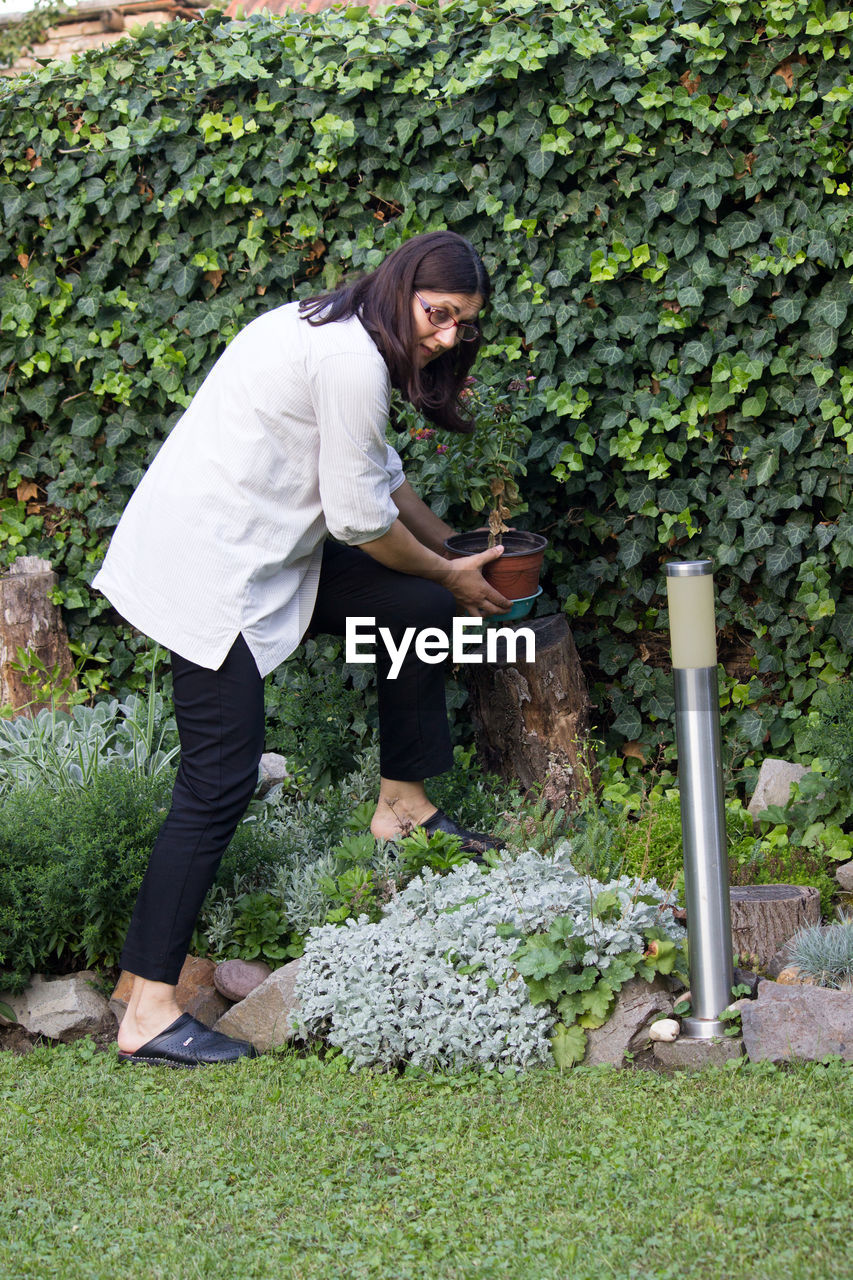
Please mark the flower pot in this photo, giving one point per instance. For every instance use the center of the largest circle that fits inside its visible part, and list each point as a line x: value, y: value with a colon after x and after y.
x: 517, y: 610
x: 516, y: 573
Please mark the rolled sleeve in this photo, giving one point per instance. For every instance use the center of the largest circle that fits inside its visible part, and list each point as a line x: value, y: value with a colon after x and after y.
x: 352, y: 398
x: 394, y: 467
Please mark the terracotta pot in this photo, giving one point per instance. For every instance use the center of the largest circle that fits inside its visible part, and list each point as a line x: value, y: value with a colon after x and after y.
x: 516, y: 573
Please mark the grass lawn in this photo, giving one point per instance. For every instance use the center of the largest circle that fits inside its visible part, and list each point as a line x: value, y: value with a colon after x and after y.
x: 288, y: 1168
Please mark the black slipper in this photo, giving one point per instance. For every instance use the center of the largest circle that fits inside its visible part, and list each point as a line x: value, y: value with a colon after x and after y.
x: 472, y: 841
x: 189, y: 1043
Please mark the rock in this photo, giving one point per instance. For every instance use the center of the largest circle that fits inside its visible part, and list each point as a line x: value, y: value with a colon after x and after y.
x: 792, y: 977
x: 237, y: 979
x: 121, y: 994
x: 196, y: 993
x: 273, y: 771
x: 798, y: 1022
x: 690, y: 1054
x: 664, y: 1030
x: 774, y: 785
x: 627, y: 1028
x: 844, y: 876
x: 746, y: 978
x: 63, y: 1009
x: 779, y: 962
x: 264, y: 1016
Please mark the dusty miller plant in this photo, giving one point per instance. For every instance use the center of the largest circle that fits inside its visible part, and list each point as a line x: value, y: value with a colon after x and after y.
x: 433, y: 982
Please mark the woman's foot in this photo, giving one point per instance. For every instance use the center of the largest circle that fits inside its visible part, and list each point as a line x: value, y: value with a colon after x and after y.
x: 152, y: 1008
x: 401, y: 807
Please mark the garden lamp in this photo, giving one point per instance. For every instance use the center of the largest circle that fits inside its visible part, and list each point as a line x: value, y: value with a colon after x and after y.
x: 690, y: 594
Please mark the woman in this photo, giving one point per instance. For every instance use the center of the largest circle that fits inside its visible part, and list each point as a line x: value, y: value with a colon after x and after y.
x: 221, y: 556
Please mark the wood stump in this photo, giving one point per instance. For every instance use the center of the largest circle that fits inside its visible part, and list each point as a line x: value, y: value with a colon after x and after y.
x: 29, y: 621
x: 766, y: 916
x: 531, y: 718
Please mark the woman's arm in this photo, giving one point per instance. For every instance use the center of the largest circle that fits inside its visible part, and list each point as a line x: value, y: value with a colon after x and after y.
x: 400, y: 549
x: 420, y: 520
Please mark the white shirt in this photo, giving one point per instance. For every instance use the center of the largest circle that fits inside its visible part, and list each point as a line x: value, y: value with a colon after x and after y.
x: 283, y: 442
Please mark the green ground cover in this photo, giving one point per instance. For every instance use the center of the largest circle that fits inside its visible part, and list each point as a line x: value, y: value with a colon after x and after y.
x: 290, y: 1168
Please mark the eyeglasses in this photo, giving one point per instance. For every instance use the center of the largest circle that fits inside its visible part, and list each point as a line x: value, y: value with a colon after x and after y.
x: 441, y: 318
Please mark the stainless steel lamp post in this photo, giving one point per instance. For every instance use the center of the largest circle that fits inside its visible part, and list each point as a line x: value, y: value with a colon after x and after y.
x: 690, y: 594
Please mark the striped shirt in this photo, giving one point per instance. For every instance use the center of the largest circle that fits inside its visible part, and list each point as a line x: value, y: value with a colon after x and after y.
x: 283, y: 443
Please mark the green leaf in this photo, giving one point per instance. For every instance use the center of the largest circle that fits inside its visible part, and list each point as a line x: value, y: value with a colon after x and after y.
x: 821, y: 340
x: 753, y: 406
x: 568, y: 1044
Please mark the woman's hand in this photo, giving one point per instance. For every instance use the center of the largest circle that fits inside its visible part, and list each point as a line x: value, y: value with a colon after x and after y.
x: 399, y: 549
x: 464, y: 580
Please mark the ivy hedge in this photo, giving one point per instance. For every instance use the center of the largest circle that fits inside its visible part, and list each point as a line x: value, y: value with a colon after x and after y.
x: 662, y: 194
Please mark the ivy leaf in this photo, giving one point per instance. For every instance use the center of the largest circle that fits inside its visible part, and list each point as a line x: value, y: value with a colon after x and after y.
x: 183, y: 279
x: 781, y: 557
x: 628, y: 724
x: 831, y: 312
x: 754, y: 405
x: 821, y: 340
x: 765, y: 466
x: 86, y: 419
x: 788, y: 309
x: 741, y: 292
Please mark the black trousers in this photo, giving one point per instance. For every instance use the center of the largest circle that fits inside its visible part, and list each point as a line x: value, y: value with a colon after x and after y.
x: 220, y: 717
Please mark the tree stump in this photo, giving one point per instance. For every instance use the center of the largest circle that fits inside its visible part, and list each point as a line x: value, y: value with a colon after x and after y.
x: 531, y: 718
x: 29, y: 621
x: 766, y: 916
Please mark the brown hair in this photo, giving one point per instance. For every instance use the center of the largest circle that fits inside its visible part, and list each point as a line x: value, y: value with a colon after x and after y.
x: 438, y: 260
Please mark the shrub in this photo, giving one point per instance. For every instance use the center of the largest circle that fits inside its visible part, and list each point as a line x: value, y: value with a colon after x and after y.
x: 320, y: 715
x: 70, y: 867
x: 433, y: 982
x: 71, y: 863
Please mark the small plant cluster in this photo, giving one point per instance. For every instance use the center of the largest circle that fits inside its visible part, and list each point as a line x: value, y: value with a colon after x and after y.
x: 819, y: 813
x: 328, y: 868
x: 62, y: 749
x: 437, y: 981
x: 49, y: 686
x: 635, y: 829
x: 499, y: 443
x: 478, y: 472
x: 575, y: 971
x: 825, y: 953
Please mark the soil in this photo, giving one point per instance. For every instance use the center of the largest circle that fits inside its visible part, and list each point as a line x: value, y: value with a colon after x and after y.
x: 16, y: 1039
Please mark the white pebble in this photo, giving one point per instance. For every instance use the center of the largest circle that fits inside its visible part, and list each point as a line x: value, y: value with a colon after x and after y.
x: 666, y: 1029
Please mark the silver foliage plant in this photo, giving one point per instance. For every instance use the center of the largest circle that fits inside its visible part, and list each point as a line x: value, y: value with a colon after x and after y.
x: 60, y: 749
x: 432, y: 982
x: 825, y: 953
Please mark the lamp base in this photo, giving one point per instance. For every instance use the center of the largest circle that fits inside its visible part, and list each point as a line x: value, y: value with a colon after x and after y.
x: 703, y: 1028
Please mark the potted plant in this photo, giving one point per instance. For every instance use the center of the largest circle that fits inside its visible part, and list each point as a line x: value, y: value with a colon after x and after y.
x: 495, y: 452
